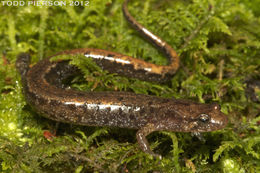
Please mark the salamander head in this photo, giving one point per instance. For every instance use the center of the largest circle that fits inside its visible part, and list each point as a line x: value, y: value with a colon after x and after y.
x: 209, y: 119
x: 196, y: 117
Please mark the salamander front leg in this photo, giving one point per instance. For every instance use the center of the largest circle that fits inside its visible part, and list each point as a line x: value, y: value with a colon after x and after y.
x: 142, y: 141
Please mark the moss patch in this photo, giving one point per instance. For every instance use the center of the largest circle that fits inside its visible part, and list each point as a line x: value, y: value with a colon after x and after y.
x: 218, y: 42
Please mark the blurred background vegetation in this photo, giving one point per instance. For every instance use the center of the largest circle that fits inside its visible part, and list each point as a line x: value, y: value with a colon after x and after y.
x: 219, y: 45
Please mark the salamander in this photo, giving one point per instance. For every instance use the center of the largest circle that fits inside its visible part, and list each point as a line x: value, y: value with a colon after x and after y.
x: 44, y: 91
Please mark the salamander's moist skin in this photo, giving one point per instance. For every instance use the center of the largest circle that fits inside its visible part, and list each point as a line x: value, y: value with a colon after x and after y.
x: 44, y: 91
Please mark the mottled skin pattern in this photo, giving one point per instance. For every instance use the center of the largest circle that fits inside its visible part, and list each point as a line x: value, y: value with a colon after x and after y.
x: 45, y: 92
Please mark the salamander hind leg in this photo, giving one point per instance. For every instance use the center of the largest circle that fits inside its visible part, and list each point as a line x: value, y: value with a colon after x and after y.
x: 142, y: 141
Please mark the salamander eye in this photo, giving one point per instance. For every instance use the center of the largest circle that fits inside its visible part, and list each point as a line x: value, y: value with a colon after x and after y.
x: 204, y: 118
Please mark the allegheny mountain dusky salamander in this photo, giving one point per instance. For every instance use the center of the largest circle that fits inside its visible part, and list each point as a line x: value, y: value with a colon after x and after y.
x: 44, y: 91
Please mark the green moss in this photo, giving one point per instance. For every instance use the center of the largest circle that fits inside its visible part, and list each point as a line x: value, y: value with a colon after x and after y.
x: 218, y: 42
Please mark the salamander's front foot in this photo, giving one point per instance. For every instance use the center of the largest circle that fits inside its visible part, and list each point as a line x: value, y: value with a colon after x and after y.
x: 142, y: 141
